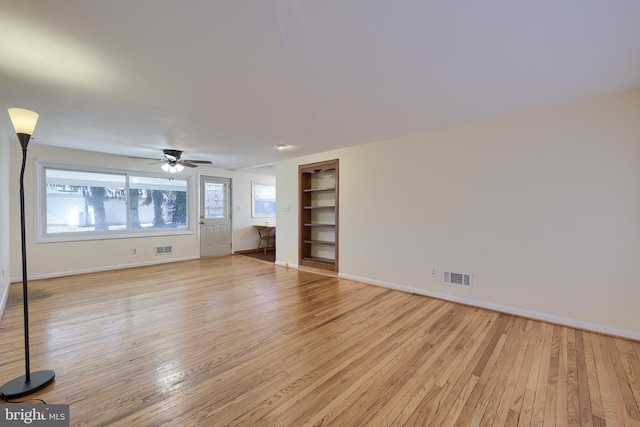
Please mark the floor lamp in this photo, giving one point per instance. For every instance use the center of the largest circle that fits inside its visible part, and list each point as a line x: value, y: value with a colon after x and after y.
x: 24, y: 122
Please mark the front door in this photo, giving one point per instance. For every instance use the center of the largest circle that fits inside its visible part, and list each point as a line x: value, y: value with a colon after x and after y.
x: 215, y: 216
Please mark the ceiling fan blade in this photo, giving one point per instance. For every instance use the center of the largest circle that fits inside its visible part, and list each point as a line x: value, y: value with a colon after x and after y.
x: 140, y: 158
x: 198, y: 162
x: 187, y: 164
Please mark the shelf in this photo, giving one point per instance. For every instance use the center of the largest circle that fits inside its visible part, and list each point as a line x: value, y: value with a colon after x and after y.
x: 320, y: 242
x: 312, y: 190
x: 318, y: 215
x: 320, y: 260
x: 319, y: 207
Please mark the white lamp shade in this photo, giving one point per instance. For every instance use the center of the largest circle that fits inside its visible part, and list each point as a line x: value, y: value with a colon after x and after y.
x: 171, y: 168
x: 24, y: 121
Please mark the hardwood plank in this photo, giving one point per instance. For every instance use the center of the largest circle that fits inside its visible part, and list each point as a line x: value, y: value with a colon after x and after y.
x: 626, y: 408
x: 592, y: 377
x: 526, y: 414
x: 625, y: 382
x: 551, y: 398
x: 631, y: 365
x: 473, y: 412
x: 606, y: 382
x: 517, y: 404
x: 235, y: 341
x: 544, y: 378
x: 506, y: 396
x: 498, y: 385
x: 562, y: 407
x: 582, y: 378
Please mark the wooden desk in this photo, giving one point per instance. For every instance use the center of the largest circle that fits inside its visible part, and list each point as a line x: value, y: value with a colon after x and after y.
x: 267, y: 235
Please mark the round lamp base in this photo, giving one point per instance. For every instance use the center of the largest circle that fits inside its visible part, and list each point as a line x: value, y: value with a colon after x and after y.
x: 19, y: 387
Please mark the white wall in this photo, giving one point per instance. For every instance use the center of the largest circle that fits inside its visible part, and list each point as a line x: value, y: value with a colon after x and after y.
x: 5, y: 273
x: 244, y: 235
x: 542, y: 208
x: 55, y: 259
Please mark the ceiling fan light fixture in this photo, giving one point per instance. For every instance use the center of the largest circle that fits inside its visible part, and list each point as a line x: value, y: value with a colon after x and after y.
x: 172, y: 168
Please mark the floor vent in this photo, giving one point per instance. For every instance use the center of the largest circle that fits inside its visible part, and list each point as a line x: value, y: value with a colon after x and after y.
x: 456, y: 279
x: 163, y: 250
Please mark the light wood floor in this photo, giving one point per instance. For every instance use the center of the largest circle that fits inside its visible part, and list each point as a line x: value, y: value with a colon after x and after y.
x: 234, y: 341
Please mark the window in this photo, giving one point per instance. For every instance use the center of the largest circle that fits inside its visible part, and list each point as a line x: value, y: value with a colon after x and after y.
x: 157, y: 203
x: 215, y: 200
x: 81, y: 204
x: 263, y: 200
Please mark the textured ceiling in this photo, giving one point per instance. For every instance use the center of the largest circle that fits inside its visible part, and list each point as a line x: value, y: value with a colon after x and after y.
x: 226, y: 80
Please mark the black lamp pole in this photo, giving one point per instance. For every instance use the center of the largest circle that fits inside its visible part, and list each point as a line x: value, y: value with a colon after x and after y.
x: 30, y: 382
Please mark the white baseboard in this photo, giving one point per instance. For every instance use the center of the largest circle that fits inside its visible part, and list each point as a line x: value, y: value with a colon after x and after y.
x: 578, y: 324
x: 106, y: 268
x: 286, y: 264
x: 4, y: 296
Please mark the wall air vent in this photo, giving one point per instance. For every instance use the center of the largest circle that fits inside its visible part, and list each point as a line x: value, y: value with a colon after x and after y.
x: 456, y: 279
x: 163, y: 250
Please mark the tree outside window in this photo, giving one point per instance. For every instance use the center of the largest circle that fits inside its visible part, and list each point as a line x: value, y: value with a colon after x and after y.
x: 83, y: 202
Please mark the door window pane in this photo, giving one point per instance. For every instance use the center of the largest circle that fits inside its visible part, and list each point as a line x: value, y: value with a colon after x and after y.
x: 215, y: 201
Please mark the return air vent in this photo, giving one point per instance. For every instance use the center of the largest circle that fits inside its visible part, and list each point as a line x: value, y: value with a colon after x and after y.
x: 456, y: 279
x: 163, y: 250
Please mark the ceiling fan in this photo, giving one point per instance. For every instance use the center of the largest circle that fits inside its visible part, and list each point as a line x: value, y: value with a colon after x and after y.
x: 172, y: 162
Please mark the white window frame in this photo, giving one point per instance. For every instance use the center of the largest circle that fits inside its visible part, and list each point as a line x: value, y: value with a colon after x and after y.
x: 253, y: 199
x: 41, y: 206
